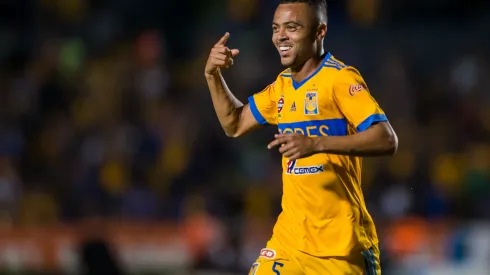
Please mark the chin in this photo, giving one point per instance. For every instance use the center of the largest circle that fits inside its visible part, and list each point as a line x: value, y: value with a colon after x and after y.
x: 287, y: 62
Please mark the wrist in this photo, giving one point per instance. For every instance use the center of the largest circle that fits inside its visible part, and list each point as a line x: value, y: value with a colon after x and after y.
x: 319, y: 144
x: 211, y: 76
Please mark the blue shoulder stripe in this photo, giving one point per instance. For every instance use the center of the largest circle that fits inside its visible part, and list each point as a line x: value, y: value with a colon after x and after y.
x: 255, y: 111
x: 335, y: 63
x: 338, y: 68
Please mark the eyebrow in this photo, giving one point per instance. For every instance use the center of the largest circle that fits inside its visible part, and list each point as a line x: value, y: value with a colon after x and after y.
x: 288, y: 22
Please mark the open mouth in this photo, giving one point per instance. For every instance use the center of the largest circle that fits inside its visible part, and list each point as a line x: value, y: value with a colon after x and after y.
x: 285, y: 50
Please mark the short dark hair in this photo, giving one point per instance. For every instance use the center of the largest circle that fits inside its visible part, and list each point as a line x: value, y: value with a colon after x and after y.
x: 319, y: 5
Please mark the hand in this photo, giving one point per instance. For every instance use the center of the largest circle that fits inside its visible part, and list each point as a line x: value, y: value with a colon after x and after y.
x: 220, y: 56
x: 295, y: 146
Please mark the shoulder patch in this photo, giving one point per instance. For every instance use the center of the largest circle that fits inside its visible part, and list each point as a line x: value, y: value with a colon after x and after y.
x: 268, y: 253
x: 355, y: 89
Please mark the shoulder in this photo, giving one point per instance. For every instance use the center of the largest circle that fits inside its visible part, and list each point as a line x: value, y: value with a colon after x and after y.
x: 333, y: 63
x: 282, y: 79
x: 339, y: 70
x: 286, y: 74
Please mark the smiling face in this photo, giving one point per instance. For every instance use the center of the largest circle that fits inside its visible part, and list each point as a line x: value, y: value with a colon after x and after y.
x: 297, y: 33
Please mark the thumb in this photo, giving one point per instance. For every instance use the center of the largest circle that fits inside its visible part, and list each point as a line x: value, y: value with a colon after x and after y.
x: 234, y: 52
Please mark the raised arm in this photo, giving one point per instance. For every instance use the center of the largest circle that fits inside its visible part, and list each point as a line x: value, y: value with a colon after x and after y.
x: 235, y: 117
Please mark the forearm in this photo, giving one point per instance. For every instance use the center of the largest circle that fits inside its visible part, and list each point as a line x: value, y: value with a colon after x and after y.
x: 228, y: 108
x: 373, y: 142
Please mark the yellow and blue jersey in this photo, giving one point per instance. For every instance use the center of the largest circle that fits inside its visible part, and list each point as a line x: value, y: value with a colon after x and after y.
x: 323, y: 208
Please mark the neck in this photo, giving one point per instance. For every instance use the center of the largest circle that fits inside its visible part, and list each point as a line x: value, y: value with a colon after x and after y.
x: 301, y: 72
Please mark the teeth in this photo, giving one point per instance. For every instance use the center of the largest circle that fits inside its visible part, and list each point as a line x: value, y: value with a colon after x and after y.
x: 284, y: 48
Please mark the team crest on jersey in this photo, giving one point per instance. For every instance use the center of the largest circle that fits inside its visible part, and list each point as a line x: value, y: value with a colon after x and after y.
x: 254, y: 269
x: 355, y: 89
x: 311, y: 103
x: 267, y: 253
x: 292, y: 169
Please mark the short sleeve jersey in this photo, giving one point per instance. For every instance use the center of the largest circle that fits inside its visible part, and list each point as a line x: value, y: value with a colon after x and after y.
x: 323, y: 208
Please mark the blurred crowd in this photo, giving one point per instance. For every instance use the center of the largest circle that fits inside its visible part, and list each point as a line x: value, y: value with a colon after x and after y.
x: 104, y: 111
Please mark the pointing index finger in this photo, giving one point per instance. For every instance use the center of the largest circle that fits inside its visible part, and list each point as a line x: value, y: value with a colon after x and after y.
x: 223, y: 39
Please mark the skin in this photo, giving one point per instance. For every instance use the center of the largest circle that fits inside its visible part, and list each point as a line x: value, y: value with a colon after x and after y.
x: 299, y: 26
x: 303, y: 29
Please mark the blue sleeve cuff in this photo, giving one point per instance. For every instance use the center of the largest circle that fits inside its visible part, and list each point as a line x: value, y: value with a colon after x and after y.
x: 370, y: 120
x: 258, y: 116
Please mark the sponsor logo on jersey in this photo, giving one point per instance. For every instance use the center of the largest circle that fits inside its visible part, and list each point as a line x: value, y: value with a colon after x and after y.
x: 311, y: 103
x: 268, y: 253
x: 355, y: 89
x: 293, y: 107
x: 292, y: 169
x: 280, y: 104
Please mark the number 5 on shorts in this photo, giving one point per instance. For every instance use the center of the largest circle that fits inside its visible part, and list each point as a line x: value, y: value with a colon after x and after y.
x: 274, y: 267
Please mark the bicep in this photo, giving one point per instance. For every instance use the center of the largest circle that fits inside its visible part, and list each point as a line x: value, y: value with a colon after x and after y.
x: 380, y: 129
x: 381, y: 133
x: 247, y: 121
x: 261, y: 109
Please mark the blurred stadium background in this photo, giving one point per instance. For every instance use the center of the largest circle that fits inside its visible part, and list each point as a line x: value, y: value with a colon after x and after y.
x: 112, y: 160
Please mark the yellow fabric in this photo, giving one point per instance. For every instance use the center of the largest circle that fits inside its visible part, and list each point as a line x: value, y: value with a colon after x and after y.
x: 278, y: 259
x: 324, y: 213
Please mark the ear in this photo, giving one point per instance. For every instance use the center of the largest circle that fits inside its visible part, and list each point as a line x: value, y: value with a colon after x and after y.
x: 321, y: 31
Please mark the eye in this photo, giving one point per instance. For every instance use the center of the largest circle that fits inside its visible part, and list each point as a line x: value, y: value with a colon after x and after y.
x: 292, y: 27
x: 275, y: 28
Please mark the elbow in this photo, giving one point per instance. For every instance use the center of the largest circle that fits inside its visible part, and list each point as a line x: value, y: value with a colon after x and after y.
x: 236, y: 130
x: 388, y: 140
x: 236, y: 135
x: 391, y: 144
x: 230, y: 127
x: 232, y: 134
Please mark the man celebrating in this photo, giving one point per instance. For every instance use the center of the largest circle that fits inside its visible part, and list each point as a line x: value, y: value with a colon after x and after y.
x: 327, y: 122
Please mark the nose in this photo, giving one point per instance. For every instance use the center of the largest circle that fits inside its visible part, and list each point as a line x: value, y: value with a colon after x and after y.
x: 282, y: 36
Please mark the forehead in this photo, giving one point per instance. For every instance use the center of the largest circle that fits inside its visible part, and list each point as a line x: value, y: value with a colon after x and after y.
x: 296, y: 12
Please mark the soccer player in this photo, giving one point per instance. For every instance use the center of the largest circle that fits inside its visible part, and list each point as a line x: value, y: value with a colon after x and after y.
x: 327, y: 122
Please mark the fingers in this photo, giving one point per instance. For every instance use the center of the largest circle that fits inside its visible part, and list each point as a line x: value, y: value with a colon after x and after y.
x: 280, y: 139
x: 221, y: 50
x: 223, y: 39
x: 221, y: 60
x: 234, y: 52
x: 295, y: 156
x: 291, y: 147
x: 286, y: 147
x: 225, y: 51
x: 220, y: 56
x: 290, y: 153
x: 224, y: 54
